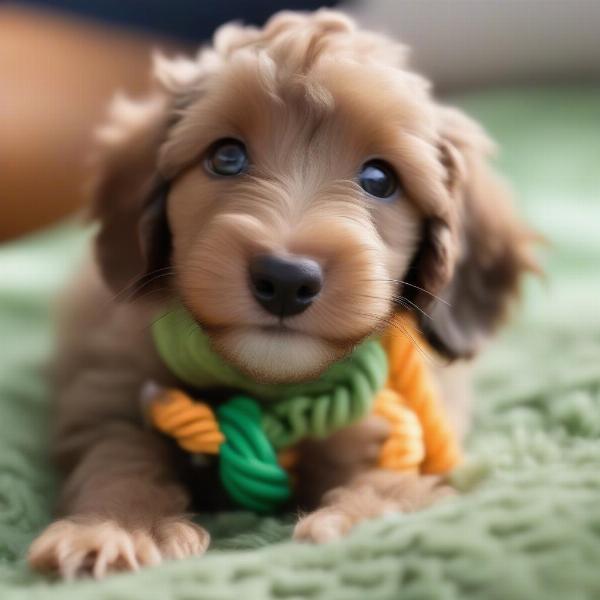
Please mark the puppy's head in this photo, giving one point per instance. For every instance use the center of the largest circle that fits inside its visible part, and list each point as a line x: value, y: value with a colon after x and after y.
x: 296, y: 185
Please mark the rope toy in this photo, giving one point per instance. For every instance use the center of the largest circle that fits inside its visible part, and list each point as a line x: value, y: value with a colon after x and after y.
x: 254, y: 441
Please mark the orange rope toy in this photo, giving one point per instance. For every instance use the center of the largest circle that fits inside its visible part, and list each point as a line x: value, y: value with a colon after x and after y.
x: 415, y: 406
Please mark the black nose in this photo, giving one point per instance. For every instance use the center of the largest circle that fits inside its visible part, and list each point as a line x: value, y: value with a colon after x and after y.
x: 285, y: 286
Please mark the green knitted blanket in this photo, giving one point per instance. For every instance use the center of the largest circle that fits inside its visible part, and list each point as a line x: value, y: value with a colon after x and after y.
x: 528, y: 526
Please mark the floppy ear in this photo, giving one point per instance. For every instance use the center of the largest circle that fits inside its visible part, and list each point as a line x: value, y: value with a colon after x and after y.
x: 491, y: 247
x: 128, y: 197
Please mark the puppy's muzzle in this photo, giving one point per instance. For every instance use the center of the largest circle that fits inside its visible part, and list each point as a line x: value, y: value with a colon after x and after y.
x: 285, y: 286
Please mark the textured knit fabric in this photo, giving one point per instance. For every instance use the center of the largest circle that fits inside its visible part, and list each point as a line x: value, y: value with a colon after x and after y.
x: 528, y: 523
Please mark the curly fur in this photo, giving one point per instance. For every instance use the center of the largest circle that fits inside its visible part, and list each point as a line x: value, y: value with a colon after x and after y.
x: 313, y: 97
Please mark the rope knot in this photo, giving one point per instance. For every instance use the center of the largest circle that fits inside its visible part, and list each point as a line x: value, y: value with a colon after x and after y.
x: 249, y: 468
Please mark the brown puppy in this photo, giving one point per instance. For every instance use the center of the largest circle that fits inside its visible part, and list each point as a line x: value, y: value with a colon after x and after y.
x: 306, y: 147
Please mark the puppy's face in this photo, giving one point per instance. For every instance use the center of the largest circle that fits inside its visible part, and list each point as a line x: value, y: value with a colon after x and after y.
x: 293, y: 213
x: 313, y: 186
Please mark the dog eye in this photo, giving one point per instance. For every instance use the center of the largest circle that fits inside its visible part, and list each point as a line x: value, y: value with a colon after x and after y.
x: 227, y: 157
x: 378, y: 179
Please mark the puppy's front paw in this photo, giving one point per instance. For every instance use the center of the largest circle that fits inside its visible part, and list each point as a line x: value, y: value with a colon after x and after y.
x: 322, y: 526
x: 180, y: 538
x: 74, y: 547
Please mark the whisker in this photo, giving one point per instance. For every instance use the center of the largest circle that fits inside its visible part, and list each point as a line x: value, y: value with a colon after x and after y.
x: 155, y: 321
x: 410, y: 285
x: 138, y: 283
x: 394, y: 323
x: 147, y: 280
x: 398, y: 299
x: 407, y: 303
x: 147, y: 293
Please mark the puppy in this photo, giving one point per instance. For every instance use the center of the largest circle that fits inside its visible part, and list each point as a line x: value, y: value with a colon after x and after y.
x: 307, y: 148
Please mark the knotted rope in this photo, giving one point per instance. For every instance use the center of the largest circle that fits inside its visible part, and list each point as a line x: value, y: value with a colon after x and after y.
x: 249, y: 437
x: 353, y: 386
x: 249, y: 468
x: 404, y: 450
x: 410, y: 379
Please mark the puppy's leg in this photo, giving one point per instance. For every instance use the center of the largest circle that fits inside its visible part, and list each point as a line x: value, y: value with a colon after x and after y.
x: 369, y: 495
x: 332, y: 462
x: 339, y: 476
x: 122, y: 505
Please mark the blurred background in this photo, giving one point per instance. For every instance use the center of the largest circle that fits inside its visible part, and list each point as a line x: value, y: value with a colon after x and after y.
x: 529, y: 71
x: 61, y: 60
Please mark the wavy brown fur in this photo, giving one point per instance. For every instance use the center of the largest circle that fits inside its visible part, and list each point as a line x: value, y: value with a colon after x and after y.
x: 313, y: 98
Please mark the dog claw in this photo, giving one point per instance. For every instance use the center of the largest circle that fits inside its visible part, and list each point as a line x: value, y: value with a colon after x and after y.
x: 73, y: 548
